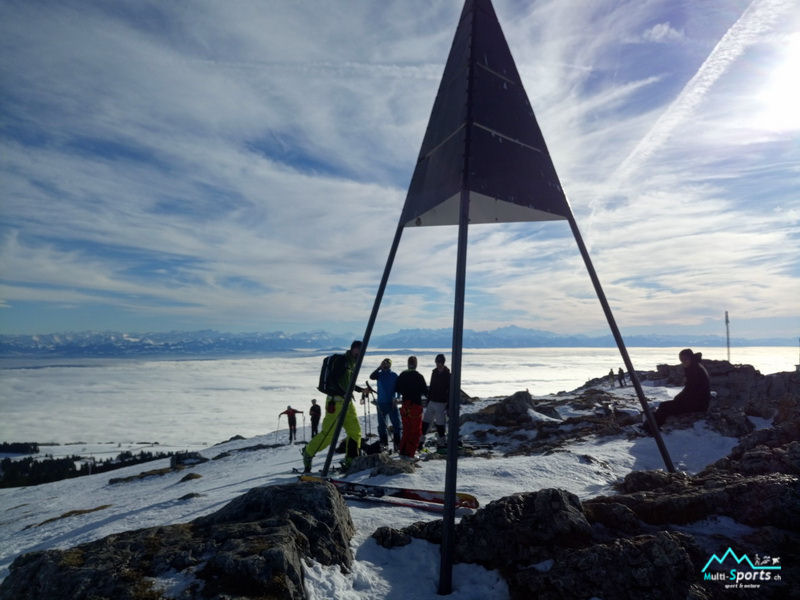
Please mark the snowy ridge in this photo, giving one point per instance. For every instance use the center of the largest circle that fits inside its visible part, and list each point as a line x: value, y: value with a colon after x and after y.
x: 66, y: 513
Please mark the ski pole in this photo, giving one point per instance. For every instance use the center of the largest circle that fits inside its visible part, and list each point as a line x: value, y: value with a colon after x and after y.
x: 276, y: 430
x: 369, y: 412
x: 304, y: 427
x: 364, y: 403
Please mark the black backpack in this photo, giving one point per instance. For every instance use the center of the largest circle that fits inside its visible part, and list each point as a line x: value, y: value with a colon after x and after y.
x: 333, y: 367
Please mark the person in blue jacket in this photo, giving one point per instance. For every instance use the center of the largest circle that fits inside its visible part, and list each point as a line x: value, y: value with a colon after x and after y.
x: 387, y: 380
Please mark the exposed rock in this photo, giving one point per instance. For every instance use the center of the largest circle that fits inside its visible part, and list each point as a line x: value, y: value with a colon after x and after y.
x: 644, y: 481
x: 251, y: 548
x: 388, y: 537
x: 741, y: 388
x: 529, y: 426
x: 775, y: 450
x: 511, y: 411
x: 466, y: 398
x: 516, y: 529
x: 547, y: 544
x: 653, y: 566
x: 380, y: 464
x: 771, y: 499
x: 254, y: 448
x: 613, y: 515
x: 186, y: 459
x: 234, y: 438
x: 730, y: 422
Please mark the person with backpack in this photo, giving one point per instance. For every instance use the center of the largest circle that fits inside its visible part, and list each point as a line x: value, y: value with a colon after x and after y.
x: 412, y: 387
x: 337, y: 372
x: 387, y: 380
x: 438, y: 399
x: 315, y: 412
x: 291, y: 416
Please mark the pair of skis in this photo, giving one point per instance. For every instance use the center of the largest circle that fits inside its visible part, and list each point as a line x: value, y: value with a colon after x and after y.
x: 432, y: 500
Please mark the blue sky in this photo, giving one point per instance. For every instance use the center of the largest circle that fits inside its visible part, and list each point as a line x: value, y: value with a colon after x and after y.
x: 242, y: 166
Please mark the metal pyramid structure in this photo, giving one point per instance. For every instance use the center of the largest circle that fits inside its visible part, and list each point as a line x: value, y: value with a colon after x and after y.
x: 483, y: 160
x: 483, y: 137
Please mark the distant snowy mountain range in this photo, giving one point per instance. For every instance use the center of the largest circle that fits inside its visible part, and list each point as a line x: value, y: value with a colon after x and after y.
x: 214, y: 343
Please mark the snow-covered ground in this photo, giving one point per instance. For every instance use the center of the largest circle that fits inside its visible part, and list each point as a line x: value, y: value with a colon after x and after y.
x: 51, y: 515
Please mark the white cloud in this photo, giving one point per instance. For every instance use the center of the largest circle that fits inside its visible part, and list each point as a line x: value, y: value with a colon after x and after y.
x: 255, y: 159
x: 662, y: 33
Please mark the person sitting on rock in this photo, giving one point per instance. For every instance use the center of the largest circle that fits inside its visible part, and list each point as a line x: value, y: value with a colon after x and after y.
x: 696, y: 393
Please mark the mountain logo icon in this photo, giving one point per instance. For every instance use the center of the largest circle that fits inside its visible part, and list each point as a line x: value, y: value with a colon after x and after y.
x: 765, y: 563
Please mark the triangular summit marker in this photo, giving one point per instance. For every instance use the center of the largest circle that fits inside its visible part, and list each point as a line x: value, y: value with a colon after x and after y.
x: 483, y: 137
x: 483, y: 160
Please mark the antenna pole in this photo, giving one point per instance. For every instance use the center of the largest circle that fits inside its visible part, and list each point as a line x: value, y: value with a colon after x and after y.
x: 728, y: 334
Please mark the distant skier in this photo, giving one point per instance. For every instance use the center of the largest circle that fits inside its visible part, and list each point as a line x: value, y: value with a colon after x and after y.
x: 291, y: 416
x: 438, y: 397
x: 621, y: 377
x: 412, y: 387
x: 695, y: 395
x: 315, y: 412
x: 387, y: 380
x: 611, y: 378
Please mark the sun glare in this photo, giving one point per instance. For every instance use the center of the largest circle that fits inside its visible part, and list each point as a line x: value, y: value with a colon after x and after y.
x: 780, y: 96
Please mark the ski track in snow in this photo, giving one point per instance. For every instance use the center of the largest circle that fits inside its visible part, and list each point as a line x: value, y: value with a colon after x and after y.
x: 586, y: 468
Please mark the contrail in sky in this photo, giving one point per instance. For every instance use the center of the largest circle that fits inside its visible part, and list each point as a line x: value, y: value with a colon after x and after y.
x: 759, y: 18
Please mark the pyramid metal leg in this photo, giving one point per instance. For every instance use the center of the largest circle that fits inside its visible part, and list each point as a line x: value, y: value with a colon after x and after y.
x: 449, y: 516
x: 364, y: 344
x: 620, y: 344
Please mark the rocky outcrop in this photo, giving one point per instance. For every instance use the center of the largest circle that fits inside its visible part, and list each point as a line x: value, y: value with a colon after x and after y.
x: 512, y: 411
x: 530, y: 426
x: 740, y: 388
x: 528, y: 524
x: 545, y: 547
x: 380, y: 464
x: 251, y: 548
x: 648, y: 541
x: 526, y: 425
x: 765, y: 499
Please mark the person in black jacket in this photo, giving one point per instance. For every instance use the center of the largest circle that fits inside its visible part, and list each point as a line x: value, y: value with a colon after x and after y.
x: 316, y: 412
x: 412, y: 387
x: 438, y: 397
x: 696, y: 393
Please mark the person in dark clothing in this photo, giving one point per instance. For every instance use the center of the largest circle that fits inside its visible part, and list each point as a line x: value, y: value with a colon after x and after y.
x: 438, y: 398
x: 696, y: 393
x: 291, y: 415
x: 412, y: 387
x: 315, y: 412
x: 621, y: 377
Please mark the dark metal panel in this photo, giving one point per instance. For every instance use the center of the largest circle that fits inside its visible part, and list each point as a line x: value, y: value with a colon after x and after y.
x: 489, y: 48
x: 503, y: 106
x: 436, y: 178
x: 450, y: 106
x: 513, y: 172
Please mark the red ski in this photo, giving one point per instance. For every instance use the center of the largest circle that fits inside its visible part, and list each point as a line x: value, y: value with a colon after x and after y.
x: 368, y: 490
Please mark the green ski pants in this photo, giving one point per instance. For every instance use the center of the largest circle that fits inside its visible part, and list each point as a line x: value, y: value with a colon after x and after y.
x: 325, y: 436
